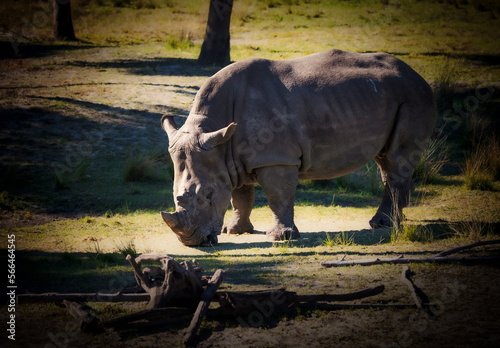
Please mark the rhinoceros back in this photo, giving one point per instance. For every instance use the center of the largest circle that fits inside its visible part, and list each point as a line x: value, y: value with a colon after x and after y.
x: 328, y: 113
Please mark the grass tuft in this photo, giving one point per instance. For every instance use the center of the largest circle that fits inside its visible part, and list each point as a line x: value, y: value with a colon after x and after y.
x: 434, y: 157
x: 128, y: 248
x: 182, y: 43
x: 412, y: 232
x: 102, y: 259
x: 340, y: 239
x: 88, y: 220
x: 471, y: 230
x: 68, y: 175
x: 446, y: 80
x: 108, y: 214
x: 141, y: 167
x: 482, y: 165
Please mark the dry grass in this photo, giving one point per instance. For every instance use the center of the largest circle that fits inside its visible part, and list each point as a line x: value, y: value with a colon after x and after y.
x: 434, y: 157
x: 472, y: 229
x: 482, y: 160
x: 141, y: 166
x: 482, y: 166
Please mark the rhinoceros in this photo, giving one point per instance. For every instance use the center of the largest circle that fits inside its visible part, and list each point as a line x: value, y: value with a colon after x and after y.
x: 274, y: 123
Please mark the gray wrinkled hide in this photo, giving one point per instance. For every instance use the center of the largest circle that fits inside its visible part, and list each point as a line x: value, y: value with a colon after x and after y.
x: 277, y: 122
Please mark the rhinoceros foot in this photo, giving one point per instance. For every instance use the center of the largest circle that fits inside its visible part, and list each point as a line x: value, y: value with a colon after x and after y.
x: 282, y: 233
x: 238, y: 228
x: 380, y: 221
x: 211, y: 240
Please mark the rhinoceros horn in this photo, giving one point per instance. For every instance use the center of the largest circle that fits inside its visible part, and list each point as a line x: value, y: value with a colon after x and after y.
x: 171, y: 219
x: 210, y: 140
x: 168, y: 125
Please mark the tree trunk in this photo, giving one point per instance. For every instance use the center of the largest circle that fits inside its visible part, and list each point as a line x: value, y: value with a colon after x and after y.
x: 216, y: 47
x: 62, y: 24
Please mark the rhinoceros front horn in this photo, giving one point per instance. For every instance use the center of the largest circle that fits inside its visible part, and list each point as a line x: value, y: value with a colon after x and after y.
x: 171, y: 219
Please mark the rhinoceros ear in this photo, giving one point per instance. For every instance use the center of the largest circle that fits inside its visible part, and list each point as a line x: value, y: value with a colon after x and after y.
x: 168, y: 125
x: 210, y: 140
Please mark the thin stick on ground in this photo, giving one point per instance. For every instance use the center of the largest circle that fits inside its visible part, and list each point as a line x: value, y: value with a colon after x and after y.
x: 437, y: 258
x: 468, y: 246
x: 420, y: 298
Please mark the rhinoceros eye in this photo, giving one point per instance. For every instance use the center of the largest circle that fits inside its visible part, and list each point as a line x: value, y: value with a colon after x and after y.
x: 184, y: 200
x: 209, y: 196
x: 208, y: 192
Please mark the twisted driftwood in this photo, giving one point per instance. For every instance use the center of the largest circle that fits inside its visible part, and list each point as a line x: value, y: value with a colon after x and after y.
x: 174, y: 284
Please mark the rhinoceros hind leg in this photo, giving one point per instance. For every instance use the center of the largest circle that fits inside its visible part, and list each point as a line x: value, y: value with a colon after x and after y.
x: 397, y: 162
x: 396, y: 197
x: 279, y: 184
x: 242, y: 200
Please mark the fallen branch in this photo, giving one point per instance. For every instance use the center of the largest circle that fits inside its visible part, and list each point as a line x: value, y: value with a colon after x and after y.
x: 468, y: 246
x: 341, y: 297
x: 438, y: 258
x: 235, y: 296
x: 205, y: 300
x: 233, y: 304
x: 420, y: 298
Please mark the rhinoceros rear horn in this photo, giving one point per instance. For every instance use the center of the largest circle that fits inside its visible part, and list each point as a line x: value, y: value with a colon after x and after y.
x: 168, y: 125
x: 210, y: 140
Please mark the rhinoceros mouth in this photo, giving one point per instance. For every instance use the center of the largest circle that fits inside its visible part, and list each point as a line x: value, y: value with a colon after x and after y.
x: 201, y: 236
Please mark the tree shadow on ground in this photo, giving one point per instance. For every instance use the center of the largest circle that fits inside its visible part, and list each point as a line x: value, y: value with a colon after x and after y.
x: 18, y: 50
x: 153, y: 66
x: 54, y: 163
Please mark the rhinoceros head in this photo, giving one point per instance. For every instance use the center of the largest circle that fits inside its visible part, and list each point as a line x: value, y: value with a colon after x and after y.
x: 202, y: 185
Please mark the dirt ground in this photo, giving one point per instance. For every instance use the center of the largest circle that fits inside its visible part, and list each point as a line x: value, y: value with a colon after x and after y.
x: 50, y: 104
x: 465, y: 301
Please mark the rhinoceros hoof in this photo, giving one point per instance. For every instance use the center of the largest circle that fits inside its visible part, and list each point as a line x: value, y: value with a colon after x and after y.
x: 282, y: 233
x: 238, y: 228
x: 380, y: 221
x: 211, y: 240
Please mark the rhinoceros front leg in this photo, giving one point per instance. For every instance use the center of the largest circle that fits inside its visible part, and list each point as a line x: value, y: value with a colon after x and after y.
x: 242, y: 200
x: 279, y: 184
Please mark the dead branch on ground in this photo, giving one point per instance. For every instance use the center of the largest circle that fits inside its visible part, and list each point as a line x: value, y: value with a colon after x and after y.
x: 437, y: 258
x: 418, y: 295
